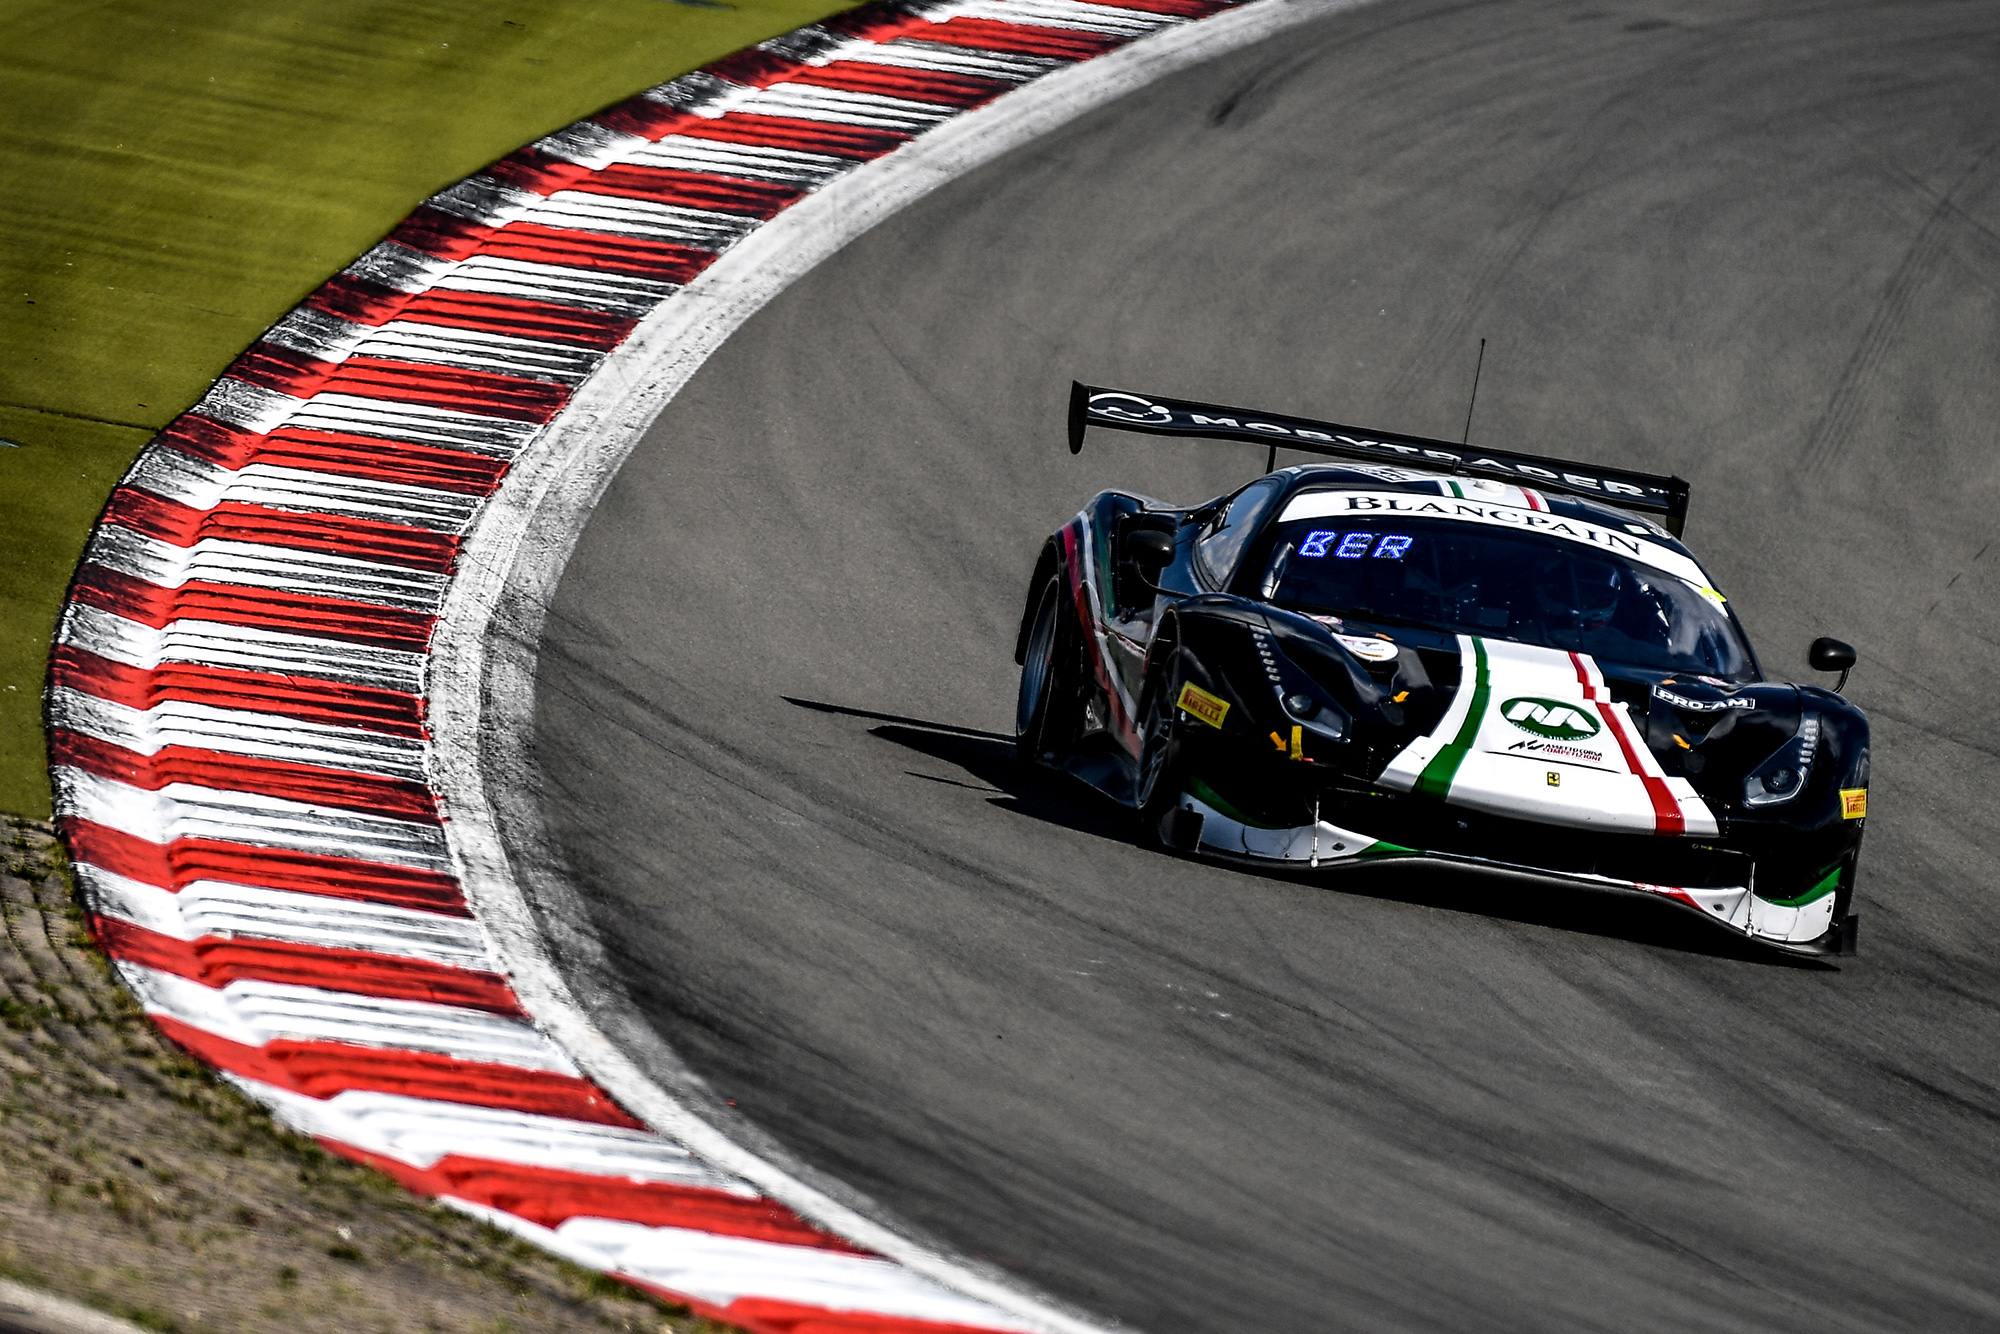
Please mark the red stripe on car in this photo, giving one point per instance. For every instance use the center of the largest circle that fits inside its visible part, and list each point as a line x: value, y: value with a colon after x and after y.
x: 1667, y: 817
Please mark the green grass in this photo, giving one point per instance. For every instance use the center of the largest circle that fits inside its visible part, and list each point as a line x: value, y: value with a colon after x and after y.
x: 179, y: 173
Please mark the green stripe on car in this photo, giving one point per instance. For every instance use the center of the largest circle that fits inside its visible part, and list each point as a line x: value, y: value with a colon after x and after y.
x: 1825, y: 887
x: 1215, y: 801
x: 1435, y: 780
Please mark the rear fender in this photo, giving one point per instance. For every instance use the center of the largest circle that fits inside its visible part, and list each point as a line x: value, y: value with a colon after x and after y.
x: 1046, y: 568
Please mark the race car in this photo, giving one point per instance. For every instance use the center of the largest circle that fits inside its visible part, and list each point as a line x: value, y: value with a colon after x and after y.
x: 1421, y: 650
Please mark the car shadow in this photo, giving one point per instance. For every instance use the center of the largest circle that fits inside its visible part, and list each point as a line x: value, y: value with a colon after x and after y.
x: 1030, y: 790
x: 1055, y: 798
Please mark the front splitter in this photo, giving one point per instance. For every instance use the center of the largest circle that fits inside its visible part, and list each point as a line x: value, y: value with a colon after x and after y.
x: 1807, y: 930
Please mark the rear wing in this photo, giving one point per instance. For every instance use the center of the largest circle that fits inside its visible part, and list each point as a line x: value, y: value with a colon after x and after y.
x: 1120, y: 411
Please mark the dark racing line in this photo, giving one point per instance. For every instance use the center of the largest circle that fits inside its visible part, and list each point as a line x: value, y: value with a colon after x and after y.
x: 1425, y: 651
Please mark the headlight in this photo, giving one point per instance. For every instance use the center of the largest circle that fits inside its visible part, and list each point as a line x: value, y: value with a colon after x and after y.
x: 1320, y: 716
x: 1783, y: 776
x: 1304, y: 699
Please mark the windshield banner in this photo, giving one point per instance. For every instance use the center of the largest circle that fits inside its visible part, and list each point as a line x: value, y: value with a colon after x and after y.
x: 1371, y: 505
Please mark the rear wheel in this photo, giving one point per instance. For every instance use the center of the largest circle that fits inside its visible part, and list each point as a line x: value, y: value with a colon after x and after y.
x: 1050, y: 706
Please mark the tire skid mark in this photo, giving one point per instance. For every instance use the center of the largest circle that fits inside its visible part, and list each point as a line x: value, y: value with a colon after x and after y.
x: 1930, y: 249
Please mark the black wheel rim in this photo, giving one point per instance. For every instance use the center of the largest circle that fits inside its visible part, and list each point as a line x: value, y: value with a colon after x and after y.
x: 1156, y: 742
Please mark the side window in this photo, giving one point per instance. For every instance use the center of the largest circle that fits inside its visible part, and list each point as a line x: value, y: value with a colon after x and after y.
x: 1221, y: 546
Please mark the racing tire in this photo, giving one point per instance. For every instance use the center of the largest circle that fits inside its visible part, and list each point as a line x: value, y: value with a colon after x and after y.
x: 1049, y: 711
x: 1162, y: 761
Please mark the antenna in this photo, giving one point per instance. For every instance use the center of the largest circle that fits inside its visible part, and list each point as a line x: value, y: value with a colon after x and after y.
x: 1476, y: 368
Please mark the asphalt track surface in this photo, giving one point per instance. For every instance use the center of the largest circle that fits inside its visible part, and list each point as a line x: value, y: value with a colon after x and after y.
x: 1753, y: 244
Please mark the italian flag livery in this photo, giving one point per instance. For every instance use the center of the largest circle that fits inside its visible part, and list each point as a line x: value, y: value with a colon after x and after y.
x: 1533, y: 733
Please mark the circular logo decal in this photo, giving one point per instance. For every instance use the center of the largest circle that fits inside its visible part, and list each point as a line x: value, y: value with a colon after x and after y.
x: 1551, y: 718
x: 1130, y: 407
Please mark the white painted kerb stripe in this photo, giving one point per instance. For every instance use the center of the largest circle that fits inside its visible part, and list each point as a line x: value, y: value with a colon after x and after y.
x: 202, y: 485
x: 185, y: 810
x: 213, y: 908
x: 254, y: 565
x: 257, y: 1013
x: 241, y: 647
x: 420, y: 1132
x: 720, y: 1270
x: 236, y: 732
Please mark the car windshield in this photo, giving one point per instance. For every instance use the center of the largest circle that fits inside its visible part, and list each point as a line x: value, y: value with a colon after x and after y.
x: 1462, y: 578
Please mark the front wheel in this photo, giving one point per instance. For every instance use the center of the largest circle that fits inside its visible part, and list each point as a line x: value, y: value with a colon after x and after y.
x: 1162, y: 755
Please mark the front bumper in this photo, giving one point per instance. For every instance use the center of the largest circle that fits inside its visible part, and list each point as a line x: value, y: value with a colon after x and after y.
x: 1811, y: 926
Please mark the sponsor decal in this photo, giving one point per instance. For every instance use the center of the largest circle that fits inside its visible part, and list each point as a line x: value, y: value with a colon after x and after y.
x: 1703, y: 705
x: 1555, y: 750
x: 1130, y: 408
x: 1383, y: 473
x: 1368, y: 650
x: 1133, y: 408
x: 1552, y: 719
x: 1198, y: 703
x: 1480, y: 511
x: 1853, y: 803
x: 1555, y: 778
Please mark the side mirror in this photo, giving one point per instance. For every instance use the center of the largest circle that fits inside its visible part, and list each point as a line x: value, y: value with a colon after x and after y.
x: 1142, y: 554
x: 1152, y: 550
x: 1830, y: 655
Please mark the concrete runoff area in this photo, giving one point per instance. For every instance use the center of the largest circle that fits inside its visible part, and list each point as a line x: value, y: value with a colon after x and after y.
x: 1752, y: 244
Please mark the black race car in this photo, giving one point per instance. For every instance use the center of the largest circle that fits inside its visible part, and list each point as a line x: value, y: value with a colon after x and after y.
x: 1425, y: 650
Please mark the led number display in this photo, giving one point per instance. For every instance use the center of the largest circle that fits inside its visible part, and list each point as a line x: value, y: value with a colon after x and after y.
x: 1389, y: 546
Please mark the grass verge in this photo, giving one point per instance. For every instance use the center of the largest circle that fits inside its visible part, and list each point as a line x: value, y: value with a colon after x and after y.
x: 181, y: 172
x: 134, y: 1181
